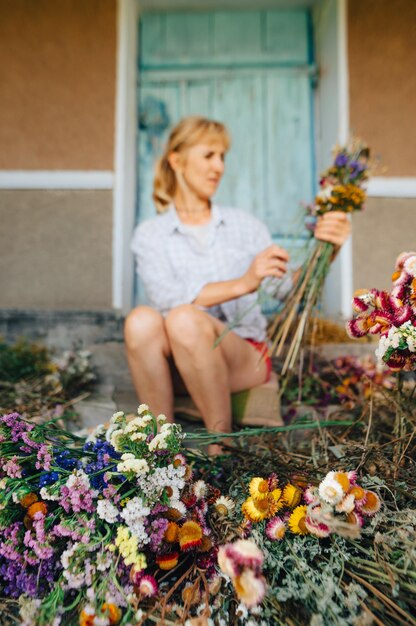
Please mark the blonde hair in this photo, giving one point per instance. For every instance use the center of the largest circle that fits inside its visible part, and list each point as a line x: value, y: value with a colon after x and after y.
x: 190, y: 131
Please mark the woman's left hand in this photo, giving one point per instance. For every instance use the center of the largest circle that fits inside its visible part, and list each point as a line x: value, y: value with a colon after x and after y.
x: 333, y: 227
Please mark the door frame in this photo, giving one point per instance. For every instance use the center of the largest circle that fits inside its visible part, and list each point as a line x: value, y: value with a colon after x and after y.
x: 330, y: 21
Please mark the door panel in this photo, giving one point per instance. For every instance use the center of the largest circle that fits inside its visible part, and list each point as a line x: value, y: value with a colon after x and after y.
x: 242, y: 81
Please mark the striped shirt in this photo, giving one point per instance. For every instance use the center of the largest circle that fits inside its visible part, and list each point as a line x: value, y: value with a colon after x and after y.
x: 173, y: 265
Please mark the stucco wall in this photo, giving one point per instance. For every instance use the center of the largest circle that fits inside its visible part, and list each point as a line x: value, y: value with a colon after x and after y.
x: 384, y: 229
x: 57, y: 63
x: 56, y: 249
x: 382, y: 78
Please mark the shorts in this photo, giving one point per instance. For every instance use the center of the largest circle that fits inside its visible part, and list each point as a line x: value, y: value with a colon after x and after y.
x: 263, y: 348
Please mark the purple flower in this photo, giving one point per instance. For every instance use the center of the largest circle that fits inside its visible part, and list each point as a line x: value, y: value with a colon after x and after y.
x: 44, y: 458
x: 341, y: 160
x: 158, y: 528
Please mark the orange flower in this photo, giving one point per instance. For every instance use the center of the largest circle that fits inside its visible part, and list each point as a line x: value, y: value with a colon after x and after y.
x: 167, y: 561
x: 357, y: 492
x: 112, y: 612
x: 28, y: 499
x: 190, y: 535
x: 86, y: 619
x: 36, y: 508
x: 171, y: 533
x: 342, y: 479
x: 371, y: 504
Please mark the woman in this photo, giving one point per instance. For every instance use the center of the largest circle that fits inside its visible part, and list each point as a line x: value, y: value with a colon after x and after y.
x: 201, y: 265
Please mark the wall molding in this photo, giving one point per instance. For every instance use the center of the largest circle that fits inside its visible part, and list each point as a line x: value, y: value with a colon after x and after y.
x: 391, y: 187
x: 56, y: 179
x: 124, y: 202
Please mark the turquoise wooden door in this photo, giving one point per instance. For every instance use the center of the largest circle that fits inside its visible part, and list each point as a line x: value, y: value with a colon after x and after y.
x: 253, y: 71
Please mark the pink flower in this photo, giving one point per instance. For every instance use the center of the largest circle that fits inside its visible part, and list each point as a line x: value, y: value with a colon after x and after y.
x: 148, y: 586
x: 12, y: 468
x: 250, y: 588
x: 275, y: 529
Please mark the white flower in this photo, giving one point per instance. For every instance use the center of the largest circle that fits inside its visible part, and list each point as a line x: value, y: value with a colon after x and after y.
x: 107, y: 511
x: 134, y: 514
x: 115, y: 437
x: 103, y: 561
x: 46, y: 495
x: 330, y: 490
x: 138, y: 437
x: 346, y: 505
x: 75, y: 581
x: 158, y: 442
x: 127, y: 455
x: 410, y: 265
x: 166, y: 428
x: 224, y: 505
x: 326, y: 192
x: 142, y: 409
x: 117, y: 416
x: 97, y: 432
x: 200, y: 489
x: 161, y: 419
x: 179, y: 506
x: 137, y: 466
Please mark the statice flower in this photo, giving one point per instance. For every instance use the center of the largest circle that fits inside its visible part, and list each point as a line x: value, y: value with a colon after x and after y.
x: 77, y: 495
x: 107, y: 511
x: 44, y: 458
x: 12, y: 468
x: 135, y: 514
x: 158, y: 528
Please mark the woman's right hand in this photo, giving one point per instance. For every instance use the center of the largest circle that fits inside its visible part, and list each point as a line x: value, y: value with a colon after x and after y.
x: 270, y: 262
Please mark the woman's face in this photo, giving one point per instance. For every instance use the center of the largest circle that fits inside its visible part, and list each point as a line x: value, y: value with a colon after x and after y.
x: 202, y: 167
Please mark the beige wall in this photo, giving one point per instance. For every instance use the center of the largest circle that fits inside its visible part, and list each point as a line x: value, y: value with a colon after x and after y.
x: 382, y: 77
x: 57, y: 87
x: 385, y: 228
x: 55, y: 249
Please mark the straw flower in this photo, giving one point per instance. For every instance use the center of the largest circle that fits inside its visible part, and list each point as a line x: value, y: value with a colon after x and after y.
x: 37, y: 507
x: 275, y: 529
x: 171, y: 532
x: 259, y: 488
x: 250, y: 588
x: 371, y: 503
x: 330, y: 490
x: 200, y: 489
x: 147, y: 586
x: 297, y: 520
x: 358, y: 493
x: 226, y: 561
x: 28, y: 499
x: 291, y: 496
x: 258, y: 510
x: 190, y: 535
x: 246, y: 553
x: 167, y: 561
x: 342, y: 478
x: 224, y: 506
x: 113, y: 613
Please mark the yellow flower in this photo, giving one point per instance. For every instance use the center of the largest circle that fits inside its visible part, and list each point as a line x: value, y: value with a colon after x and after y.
x: 297, y: 520
x: 291, y: 496
x: 257, y: 510
x: 259, y: 488
x: 252, y: 512
x: 190, y: 535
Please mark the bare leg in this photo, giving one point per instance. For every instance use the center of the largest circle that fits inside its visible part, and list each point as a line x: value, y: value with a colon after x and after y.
x: 148, y: 352
x: 211, y: 374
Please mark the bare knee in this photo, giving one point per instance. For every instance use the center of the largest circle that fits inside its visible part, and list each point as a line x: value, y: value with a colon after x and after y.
x: 188, y: 326
x: 142, y: 326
